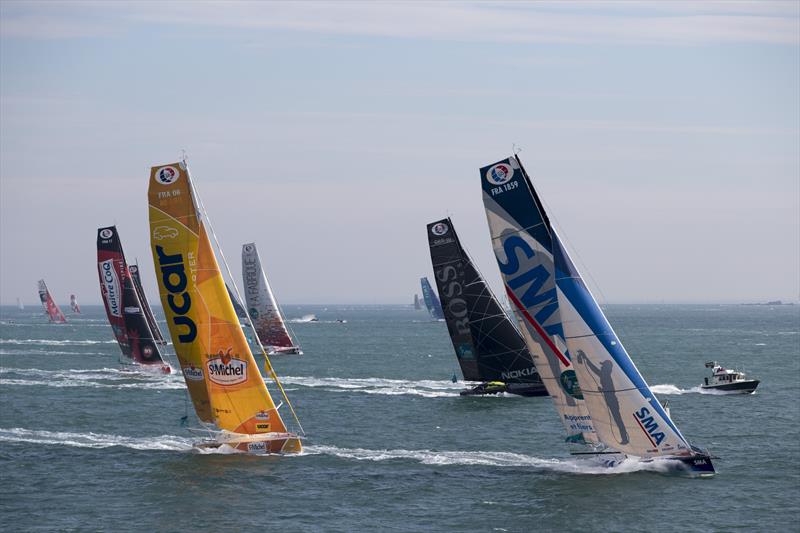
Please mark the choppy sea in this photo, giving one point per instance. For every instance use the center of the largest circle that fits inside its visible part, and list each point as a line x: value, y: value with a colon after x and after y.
x: 86, y: 445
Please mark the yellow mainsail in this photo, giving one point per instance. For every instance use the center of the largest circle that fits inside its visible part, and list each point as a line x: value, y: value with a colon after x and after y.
x: 218, y: 366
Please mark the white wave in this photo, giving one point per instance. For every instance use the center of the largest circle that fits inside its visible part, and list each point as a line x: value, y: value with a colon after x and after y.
x: 102, y: 378
x: 673, y: 390
x: 95, y: 440
x: 391, y: 387
x: 52, y: 342
x: 497, y: 459
x: 303, y: 319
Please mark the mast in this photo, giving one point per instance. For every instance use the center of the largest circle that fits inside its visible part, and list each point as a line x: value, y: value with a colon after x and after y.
x: 487, y: 345
x: 221, y: 374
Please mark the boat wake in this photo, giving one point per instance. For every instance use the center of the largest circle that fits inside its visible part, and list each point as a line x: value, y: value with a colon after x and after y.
x: 101, y: 378
x: 497, y: 459
x: 390, y: 387
x: 52, y: 342
x: 95, y: 440
x: 303, y: 319
x: 673, y: 390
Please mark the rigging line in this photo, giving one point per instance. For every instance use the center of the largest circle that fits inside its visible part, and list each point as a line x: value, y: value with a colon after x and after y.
x: 268, y: 364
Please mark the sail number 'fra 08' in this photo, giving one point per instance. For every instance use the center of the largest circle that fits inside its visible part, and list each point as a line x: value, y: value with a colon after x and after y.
x: 172, y: 268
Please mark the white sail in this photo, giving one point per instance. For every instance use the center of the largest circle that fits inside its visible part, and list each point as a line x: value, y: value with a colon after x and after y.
x: 261, y: 305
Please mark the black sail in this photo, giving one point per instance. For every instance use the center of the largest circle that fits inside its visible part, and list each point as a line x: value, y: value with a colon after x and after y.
x: 488, y: 345
x: 148, y: 311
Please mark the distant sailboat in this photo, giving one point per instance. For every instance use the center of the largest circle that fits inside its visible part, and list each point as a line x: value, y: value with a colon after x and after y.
x: 148, y: 311
x: 431, y: 300
x: 583, y: 363
x: 73, y: 304
x: 417, y: 305
x: 51, y: 308
x: 264, y: 311
x: 124, y: 309
x: 488, y: 346
x: 222, y: 377
x: 20, y: 305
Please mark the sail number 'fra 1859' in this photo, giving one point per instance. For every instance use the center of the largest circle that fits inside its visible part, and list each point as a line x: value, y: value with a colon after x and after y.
x: 173, y: 276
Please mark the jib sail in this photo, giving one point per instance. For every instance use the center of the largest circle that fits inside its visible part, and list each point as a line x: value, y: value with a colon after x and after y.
x: 488, y: 346
x: 123, y: 307
x: 148, y: 311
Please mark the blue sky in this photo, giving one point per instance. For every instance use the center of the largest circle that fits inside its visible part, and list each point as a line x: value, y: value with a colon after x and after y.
x: 662, y: 136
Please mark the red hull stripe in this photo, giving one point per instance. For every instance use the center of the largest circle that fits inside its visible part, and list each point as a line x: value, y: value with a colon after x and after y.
x: 537, y: 327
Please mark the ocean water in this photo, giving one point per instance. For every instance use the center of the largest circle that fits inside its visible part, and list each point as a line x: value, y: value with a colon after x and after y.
x: 391, y: 445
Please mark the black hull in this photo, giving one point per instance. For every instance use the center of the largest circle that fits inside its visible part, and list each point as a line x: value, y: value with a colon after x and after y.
x: 518, y: 389
x: 745, y: 387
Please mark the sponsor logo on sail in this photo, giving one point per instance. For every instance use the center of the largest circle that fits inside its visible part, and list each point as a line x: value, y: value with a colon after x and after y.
x: 262, y: 415
x: 439, y: 229
x: 192, y: 373
x: 257, y: 447
x: 569, y: 382
x: 106, y: 233
x: 262, y: 427
x: 134, y: 269
x: 500, y: 174
x: 147, y: 351
x: 649, y: 426
x: 248, y: 248
x: 167, y: 175
x: 456, y: 308
x: 111, y: 287
x: 133, y: 310
x: 226, y: 370
x: 523, y: 372
x: 179, y: 301
x: 164, y: 232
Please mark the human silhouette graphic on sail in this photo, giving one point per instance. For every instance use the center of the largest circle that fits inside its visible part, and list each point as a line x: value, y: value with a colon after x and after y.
x: 607, y: 388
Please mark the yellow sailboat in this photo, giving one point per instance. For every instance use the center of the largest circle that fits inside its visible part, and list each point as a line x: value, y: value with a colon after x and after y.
x: 222, y: 376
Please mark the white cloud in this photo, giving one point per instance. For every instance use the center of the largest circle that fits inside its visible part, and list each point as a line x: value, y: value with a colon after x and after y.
x: 627, y: 23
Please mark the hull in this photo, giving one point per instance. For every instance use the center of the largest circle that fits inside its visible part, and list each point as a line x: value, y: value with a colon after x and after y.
x: 743, y: 387
x: 257, y: 444
x: 518, y: 389
x: 697, y: 465
x: 288, y: 350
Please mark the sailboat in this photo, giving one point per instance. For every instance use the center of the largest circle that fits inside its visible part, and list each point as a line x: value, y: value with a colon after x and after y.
x: 431, y: 300
x: 264, y: 311
x: 225, y: 385
x: 51, y: 308
x: 417, y: 305
x: 148, y: 311
x: 20, y: 305
x: 488, y: 346
x: 124, y: 309
x: 73, y: 304
x: 575, y: 349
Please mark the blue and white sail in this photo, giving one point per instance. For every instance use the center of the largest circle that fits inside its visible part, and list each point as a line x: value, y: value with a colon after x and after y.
x: 524, y: 251
x: 431, y: 300
x: 625, y: 413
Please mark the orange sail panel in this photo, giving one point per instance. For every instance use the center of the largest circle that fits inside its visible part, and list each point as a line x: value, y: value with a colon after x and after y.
x: 222, y: 376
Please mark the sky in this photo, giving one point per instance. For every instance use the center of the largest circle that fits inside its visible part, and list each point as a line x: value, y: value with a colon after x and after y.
x: 664, y: 138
